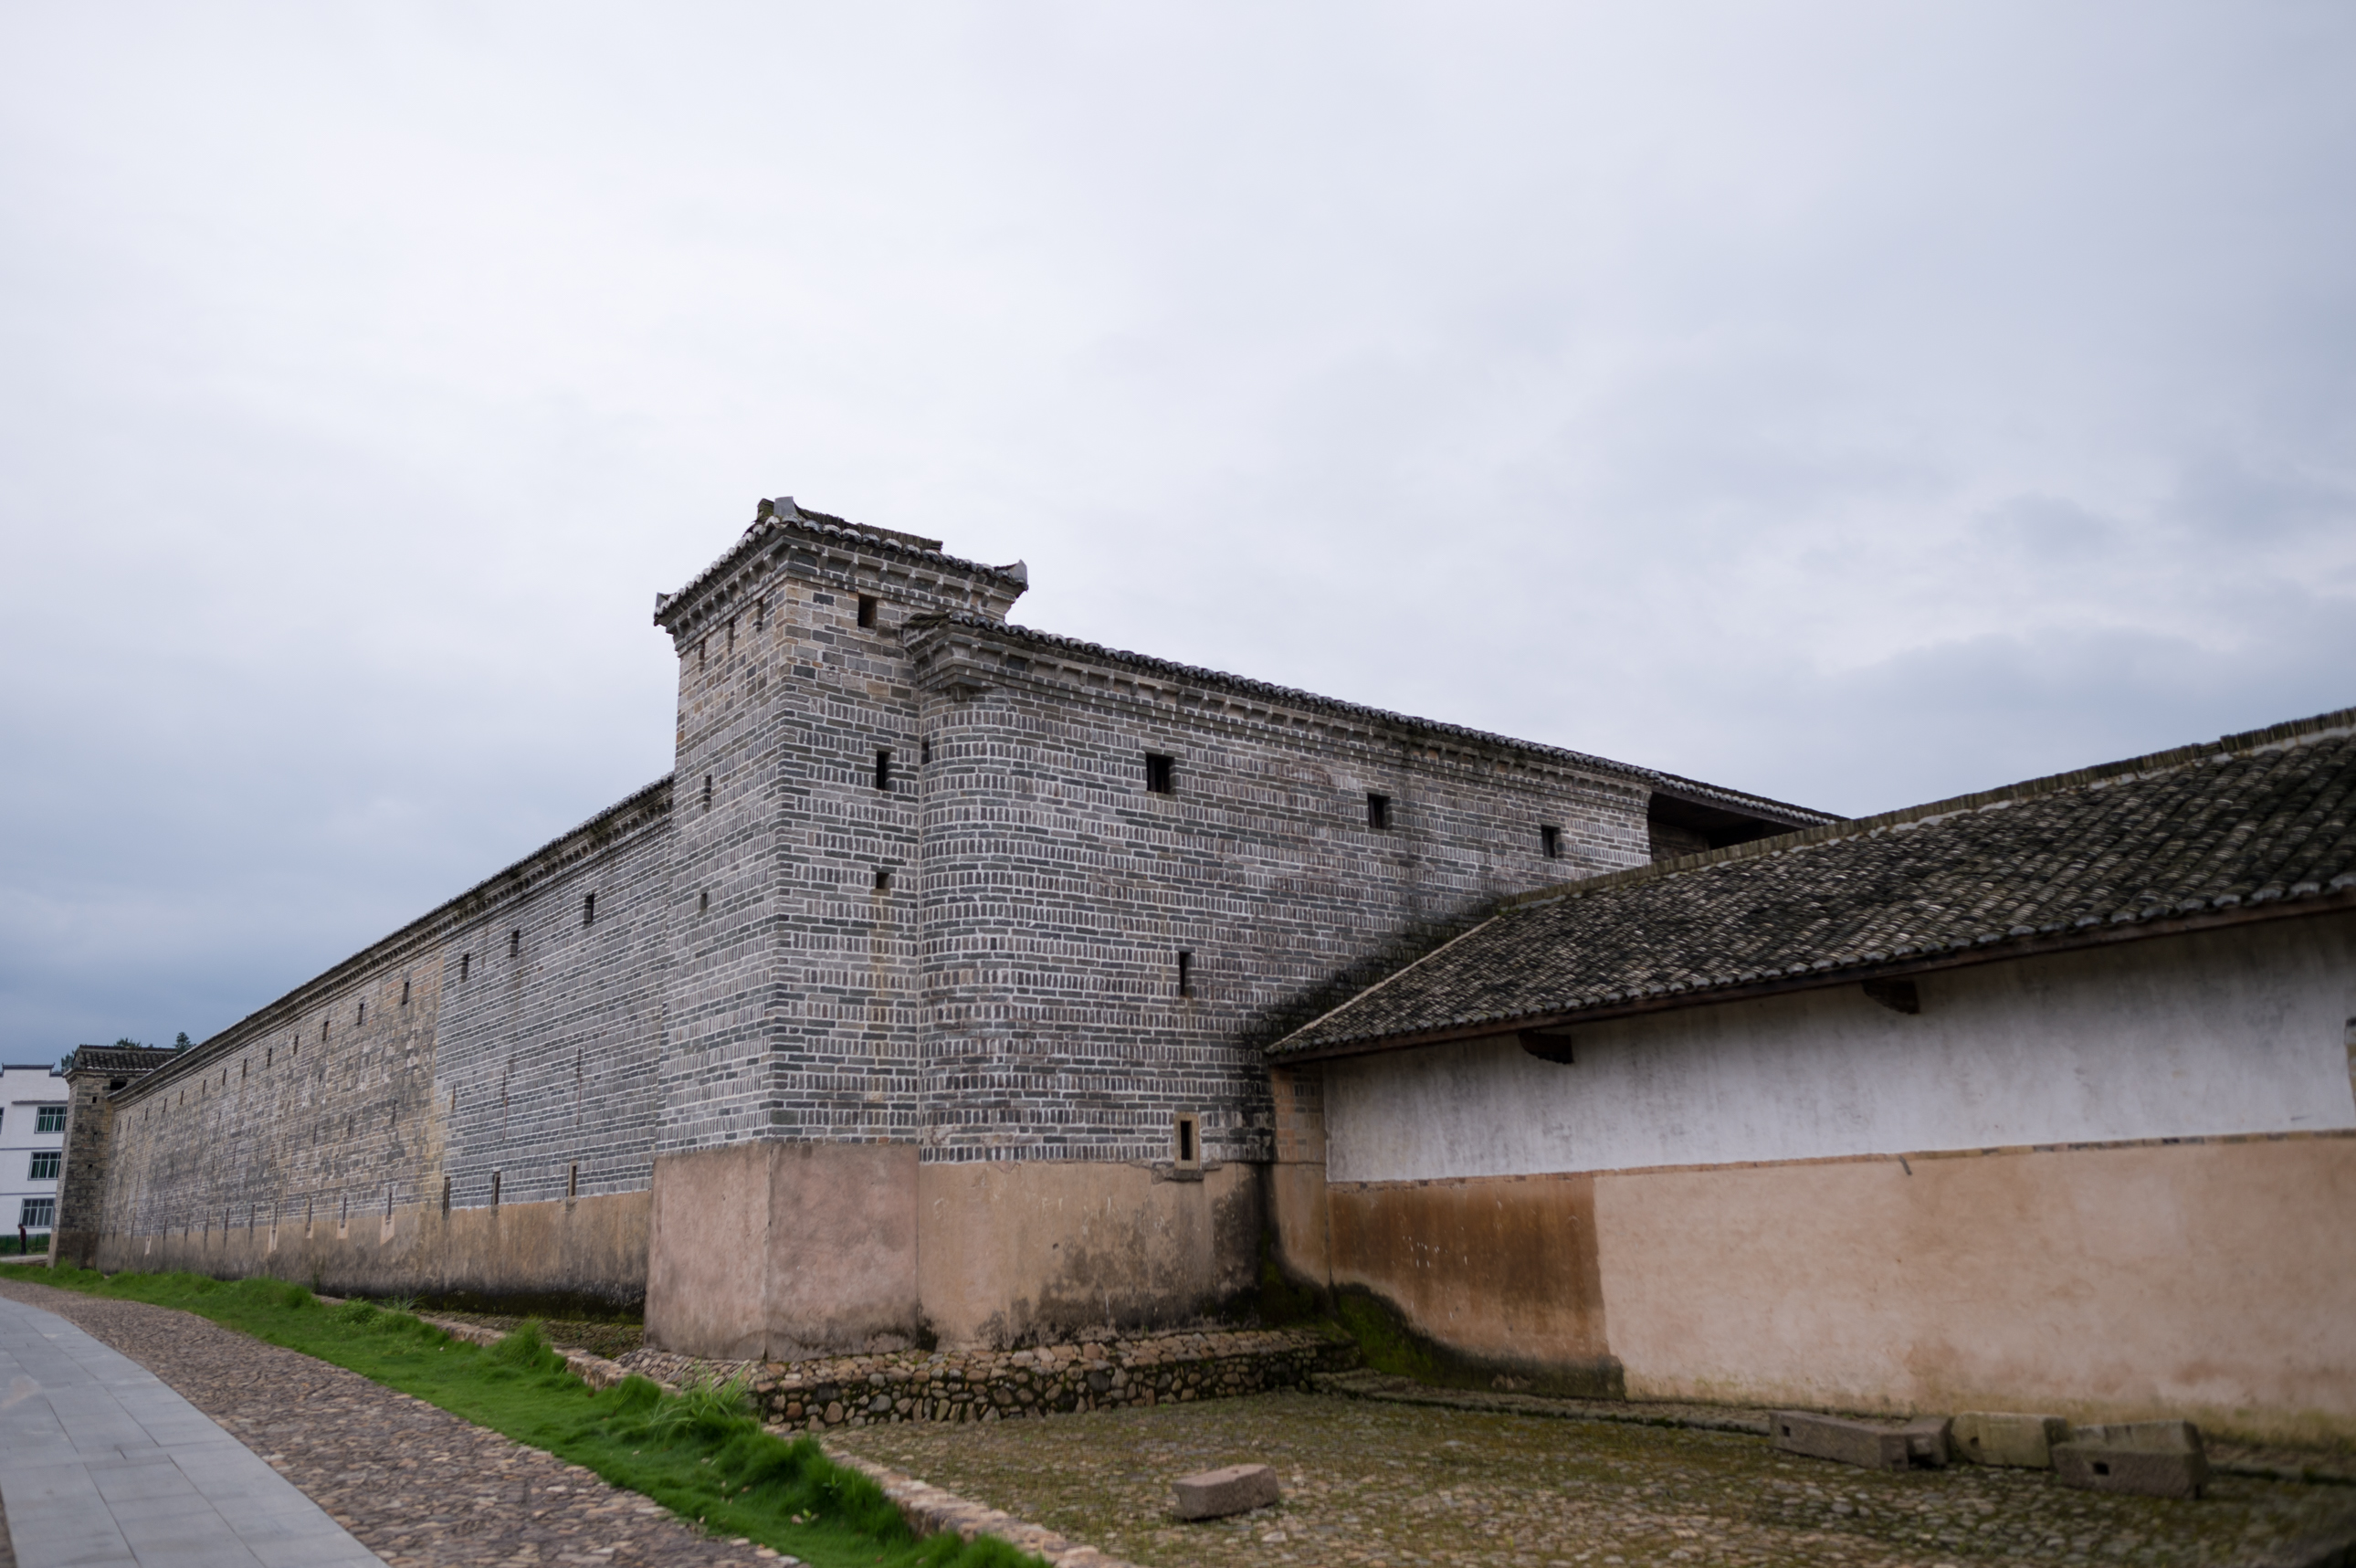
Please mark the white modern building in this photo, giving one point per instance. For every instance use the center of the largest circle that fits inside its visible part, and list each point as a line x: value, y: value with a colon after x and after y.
x: 32, y: 1147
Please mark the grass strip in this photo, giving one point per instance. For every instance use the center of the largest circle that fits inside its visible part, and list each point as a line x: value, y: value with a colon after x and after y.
x: 699, y: 1454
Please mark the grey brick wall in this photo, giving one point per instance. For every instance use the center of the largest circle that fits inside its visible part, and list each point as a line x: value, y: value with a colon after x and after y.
x: 793, y: 1007
x: 334, y: 1101
x: 1059, y: 890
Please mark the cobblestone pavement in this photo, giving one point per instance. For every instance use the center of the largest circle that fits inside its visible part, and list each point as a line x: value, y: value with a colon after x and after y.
x: 1370, y: 1482
x: 419, y: 1487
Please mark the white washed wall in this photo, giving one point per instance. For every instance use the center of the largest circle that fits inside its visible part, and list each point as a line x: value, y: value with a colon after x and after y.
x: 2241, y: 1031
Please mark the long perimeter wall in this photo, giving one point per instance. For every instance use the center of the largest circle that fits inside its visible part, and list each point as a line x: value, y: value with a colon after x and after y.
x: 466, y: 1108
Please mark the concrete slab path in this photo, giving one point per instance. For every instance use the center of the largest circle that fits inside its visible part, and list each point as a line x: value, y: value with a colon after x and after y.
x: 102, y: 1465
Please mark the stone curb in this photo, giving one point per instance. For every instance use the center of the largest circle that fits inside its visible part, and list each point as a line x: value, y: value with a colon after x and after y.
x: 1388, y: 1389
x: 595, y: 1371
x: 929, y: 1509
x: 1401, y: 1391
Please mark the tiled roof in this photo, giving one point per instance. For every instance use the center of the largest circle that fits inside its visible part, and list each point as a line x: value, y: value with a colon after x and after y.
x: 1288, y: 696
x: 2240, y: 827
x: 825, y: 525
x: 120, y: 1059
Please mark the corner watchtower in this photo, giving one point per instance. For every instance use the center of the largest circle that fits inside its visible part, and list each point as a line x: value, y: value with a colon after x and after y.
x: 792, y: 991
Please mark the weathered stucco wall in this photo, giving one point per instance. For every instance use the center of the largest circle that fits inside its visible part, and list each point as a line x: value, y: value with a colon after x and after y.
x: 1018, y: 1253
x: 2114, y: 1183
x: 586, y: 1253
x: 2235, y: 1031
x: 2207, y: 1282
x: 1503, y: 1273
x: 777, y: 1249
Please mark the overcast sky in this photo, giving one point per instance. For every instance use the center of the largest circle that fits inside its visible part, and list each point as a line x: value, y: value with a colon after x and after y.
x: 1854, y: 403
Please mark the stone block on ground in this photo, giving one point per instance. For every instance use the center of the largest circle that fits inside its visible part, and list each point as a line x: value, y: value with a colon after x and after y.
x: 1930, y: 1442
x: 1215, y: 1494
x: 1993, y: 1437
x: 2151, y: 1458
x: 1873, y: 1444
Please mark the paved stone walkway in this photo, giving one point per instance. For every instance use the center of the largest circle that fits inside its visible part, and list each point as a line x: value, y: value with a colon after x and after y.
x: 102, y: 1465
x: 414, y: 1483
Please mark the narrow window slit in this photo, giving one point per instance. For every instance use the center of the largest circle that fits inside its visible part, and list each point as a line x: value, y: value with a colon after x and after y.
x: 1378, y: 811
x: 883, y: 770
x: 1160, y: 774
x: 1185, y: 973
x: 1550, y: 842
x: 867, y: 609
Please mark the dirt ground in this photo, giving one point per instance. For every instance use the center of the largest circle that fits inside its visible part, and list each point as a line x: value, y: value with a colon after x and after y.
x: 1370, y: 1483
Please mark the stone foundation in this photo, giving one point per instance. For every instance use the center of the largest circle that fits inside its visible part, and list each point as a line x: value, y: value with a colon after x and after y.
x: 993, y: 1385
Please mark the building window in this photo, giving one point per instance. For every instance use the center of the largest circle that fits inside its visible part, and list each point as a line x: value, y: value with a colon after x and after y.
x: 589, y: 909
x: 703, y: 902
x: 1160, y: 774
x: 732, y: 634
x: 1185, y: 1137
x: 924, y: 749
x: 707, y: 791
x: 37, y: 1213
x: 45, y: 1165
x: 361, y: 1016
x: 1185, y: 973
x: 404, y: 993
x: 515, y: 944
x: 49, y: 1119
x: 1378, y: 811
x: 1550, y: 842
x: 882, y: 880
x: 494, y: 1190
x: 867, y: 609
x: 883, y: 770
x: 573, y: 1181
x: 466, y: 963
x: 699, y: 653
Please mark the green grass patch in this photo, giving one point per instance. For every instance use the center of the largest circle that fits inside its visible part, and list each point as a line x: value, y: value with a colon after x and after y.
x: 702, y: 1455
